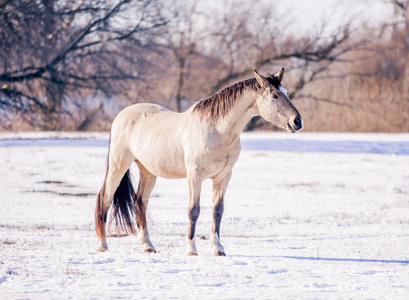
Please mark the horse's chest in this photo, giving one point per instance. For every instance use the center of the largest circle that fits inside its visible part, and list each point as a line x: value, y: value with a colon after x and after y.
x: 219, y: 163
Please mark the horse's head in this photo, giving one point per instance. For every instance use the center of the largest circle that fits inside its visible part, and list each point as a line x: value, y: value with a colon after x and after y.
x: 274, y: 105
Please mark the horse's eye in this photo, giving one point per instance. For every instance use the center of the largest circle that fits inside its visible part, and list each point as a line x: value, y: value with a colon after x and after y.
x: 275, y: 96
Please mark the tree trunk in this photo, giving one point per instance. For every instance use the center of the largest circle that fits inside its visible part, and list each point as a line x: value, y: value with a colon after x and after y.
x: 54, y: 91
x: 406, y: 52
x: 52, y: 118
x: 182, y: 63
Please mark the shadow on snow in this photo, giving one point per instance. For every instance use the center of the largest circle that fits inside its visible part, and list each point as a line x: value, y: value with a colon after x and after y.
x: 385, y: 261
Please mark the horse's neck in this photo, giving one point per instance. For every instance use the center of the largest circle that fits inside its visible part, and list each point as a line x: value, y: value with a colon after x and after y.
x: 240, y: 114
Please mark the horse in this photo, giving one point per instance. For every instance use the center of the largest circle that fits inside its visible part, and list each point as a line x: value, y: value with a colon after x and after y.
x: 201, y: 143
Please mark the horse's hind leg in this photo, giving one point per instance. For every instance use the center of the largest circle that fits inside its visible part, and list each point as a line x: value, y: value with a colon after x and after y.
x: 116, y: 169
x: 147, y: 182
x: 219, y: 189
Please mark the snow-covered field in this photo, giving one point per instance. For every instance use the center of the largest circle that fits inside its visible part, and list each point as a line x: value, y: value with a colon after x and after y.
x: 307, y: 216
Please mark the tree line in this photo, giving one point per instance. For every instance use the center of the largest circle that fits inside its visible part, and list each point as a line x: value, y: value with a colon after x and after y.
x: 71, y: 65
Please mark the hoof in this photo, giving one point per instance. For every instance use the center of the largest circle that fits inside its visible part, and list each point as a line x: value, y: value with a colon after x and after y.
x: 149, y: 250
x: 192, y: 254
x: 219, y: 253
x: 102, y: 249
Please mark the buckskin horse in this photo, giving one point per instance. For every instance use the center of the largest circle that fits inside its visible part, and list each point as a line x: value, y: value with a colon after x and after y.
x: 200, y: 143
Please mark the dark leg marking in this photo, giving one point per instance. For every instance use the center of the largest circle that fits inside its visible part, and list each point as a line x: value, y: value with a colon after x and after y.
x: 218, y: 209
x: 193, y: 214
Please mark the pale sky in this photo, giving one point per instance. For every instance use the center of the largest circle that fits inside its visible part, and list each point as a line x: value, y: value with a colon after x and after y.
x: 312, y: 12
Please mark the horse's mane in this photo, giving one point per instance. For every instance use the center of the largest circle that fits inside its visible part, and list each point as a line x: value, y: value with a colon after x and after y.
x: 221, y: 103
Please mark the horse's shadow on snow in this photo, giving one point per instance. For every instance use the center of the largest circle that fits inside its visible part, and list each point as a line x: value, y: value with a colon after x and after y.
x: 363, y: 260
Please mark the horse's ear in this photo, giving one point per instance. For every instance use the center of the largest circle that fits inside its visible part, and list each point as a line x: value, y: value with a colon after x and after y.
x: 262, y: 81
x: 280, y: 74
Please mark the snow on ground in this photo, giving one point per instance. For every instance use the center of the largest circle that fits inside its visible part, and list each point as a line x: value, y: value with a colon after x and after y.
x: 317, y: 221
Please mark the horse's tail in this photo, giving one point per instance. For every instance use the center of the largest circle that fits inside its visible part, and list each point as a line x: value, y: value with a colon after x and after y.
x: 124, y: 210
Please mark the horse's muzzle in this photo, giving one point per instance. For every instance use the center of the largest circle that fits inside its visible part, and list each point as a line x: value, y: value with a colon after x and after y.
x: 294, y: 124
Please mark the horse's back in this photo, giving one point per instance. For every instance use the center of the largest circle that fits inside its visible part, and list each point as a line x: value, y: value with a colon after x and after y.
x: 136, y: 111
x: 142, y: 116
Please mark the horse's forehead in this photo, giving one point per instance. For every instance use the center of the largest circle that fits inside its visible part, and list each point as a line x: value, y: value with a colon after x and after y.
x: 276, y: 83
x: 283, y: 90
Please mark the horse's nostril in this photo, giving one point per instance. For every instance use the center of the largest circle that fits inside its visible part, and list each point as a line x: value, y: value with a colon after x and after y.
x: 297, y: 122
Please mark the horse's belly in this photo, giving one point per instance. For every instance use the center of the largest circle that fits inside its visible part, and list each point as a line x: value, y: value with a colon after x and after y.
x: 164, y: 166
x: 169, y: 171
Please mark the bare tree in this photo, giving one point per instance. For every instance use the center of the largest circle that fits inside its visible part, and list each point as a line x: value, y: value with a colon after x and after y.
x: 259, y: 40
x: 185, y: 37
x: 50, y: 50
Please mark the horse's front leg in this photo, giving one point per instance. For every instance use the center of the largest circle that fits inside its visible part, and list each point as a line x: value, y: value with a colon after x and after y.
x: 219, y: 189
x: 195, y: 185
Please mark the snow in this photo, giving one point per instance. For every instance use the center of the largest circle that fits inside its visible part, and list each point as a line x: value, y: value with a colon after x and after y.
x: 307, y: 216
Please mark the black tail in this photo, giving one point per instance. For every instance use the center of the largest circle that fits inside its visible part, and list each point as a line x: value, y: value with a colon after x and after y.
x: 124, y: 211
